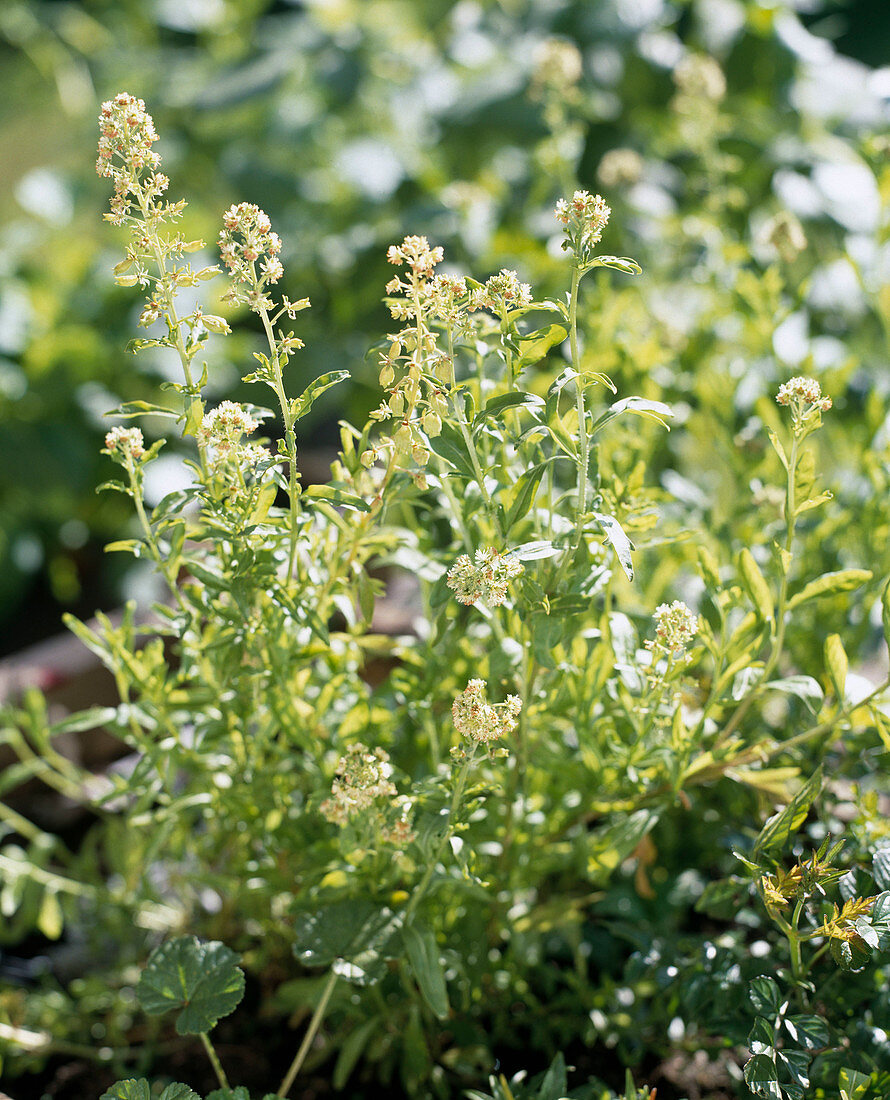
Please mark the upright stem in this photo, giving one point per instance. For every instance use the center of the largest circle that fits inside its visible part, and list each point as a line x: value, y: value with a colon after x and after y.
x: 583, y: 442
x: 290, y: 441
x: 214, y: 1061
x: 308, y: 1038
x: 160, y: 561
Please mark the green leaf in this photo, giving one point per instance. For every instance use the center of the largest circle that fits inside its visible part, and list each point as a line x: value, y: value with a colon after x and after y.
x: 885, y: 611
x: 804, y: 687
x: 778, y: 830
x: 609, y: 846
x: 879, y: 918
x: 239, y: 1093
x: 852, y: 955
x: 350, y: 1052
x: 880, y: 868
x: 623, y: 264
x: 353, y: 937
x: 620, y: 543
x: 133, y: 1089
x: 837, y: 664
x: 336, y: 496
x: 764, y: 996
x: 808, y: 1032
x: 126, y: 546
x: 757, y: 587
x: 534, y: 347
x: 778, y: 448
x: 49, y: 917
x: 520, y: 497
x: 201, y: 979
x: 131, y: 409
x: 530, y: 551
x: 194, y: 417
x: 762, y: 1078
x: 654, y: 410
x: 423, y: 954
x: 555, y: 1083
x: 496, y: 405
x: 844, y: 580
x: 853, y: 1083
x: 302, y: 404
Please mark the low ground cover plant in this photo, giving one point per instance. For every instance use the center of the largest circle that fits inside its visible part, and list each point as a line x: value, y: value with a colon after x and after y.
x: 554, y: 825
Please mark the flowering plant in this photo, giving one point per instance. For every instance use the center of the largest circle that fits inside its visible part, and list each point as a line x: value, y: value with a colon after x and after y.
x: 415, y: 836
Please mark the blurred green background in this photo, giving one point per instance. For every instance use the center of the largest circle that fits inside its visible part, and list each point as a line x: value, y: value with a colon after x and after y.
x: 354, y: 122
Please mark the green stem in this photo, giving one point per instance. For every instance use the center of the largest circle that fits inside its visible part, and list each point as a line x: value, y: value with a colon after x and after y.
x: 290, y: 441
x: 160, y: 561
x: 214, y: 1061
x: 583, y: 442
x: 308, y: 1038
x: 457, y: 405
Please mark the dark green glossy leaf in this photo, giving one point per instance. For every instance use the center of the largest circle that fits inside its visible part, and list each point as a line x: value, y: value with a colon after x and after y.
x: 762, y: 1078
x: 808, y: 1032
x: 353, y: 937
x: 764, y: 996
x: 302, y: 404
x: 497, y: 405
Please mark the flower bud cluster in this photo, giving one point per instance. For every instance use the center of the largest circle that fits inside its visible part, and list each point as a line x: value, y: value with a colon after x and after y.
x: 479, y: 720
x: 486, y: 580
x: 557, y: 69
x: 413, y: 371
x: 222, y: 432
x: 699, y: 77
x: 502, y: 293
x: 620, y: 168
x: 584, y: 217
x: 250, y: 250
x: 805, y: 399
x: 125, y: 445
x: 362, y: 787
x: 126, y: 135
x: 675, y: 627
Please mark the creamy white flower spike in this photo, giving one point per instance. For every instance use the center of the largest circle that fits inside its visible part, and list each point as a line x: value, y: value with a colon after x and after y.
x: 125, y: 443
x: 675, y: 627
x: 486, y: 579
x: 361, y: 781
x: 479, y: 720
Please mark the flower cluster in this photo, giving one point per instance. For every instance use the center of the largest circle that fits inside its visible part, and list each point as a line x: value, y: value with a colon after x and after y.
x: 558, y: 66
x: 222, y: 431
x: 413, y: 371
x: 805, y: 398
x: 584, y: 217
x: 486, y: 579
x: 245, y: 241
x: 675, y: 627
x: 502, y: 292
x: 126, y: 135
x: 620, y: 168
x: 361, y: 781
x: 699, y: 77
x: 125, y: 444
x: 479, y: 720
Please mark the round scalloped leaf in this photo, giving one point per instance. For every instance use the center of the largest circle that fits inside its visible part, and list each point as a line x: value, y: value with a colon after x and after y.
x: 201, y: 979
x: 133, y: 1089
x: 353, y: 937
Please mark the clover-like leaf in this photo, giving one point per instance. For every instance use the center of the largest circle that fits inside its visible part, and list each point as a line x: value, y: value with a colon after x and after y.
x: 201, y: 979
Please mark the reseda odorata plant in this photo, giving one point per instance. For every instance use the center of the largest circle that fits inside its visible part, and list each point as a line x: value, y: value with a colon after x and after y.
x: 405, y: 815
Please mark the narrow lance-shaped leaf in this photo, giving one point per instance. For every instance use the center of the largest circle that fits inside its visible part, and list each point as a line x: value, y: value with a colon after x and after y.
x: 757, y: 587
x: 844, y: 580
x: 778, y: 830
x: 423, y: 954
x: 619, y: 541
x: 836, y: 663
x: 302, y: 404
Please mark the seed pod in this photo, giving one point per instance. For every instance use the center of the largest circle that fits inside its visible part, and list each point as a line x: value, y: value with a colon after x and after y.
x: 192, y: 246
x: 125, y: 280
x: 395, y: 349
x: 421, y: 455
x: 420, y: 481
x: 215, y: 324
x: 408, y: 342
x: 368, y: 458
x: 207, y: 273
x: 442, y: 369
x: 438, y: 402
x: 432, y: 423
x: 387, y: 376
x: 402, y: 438
x: 397, y: 403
